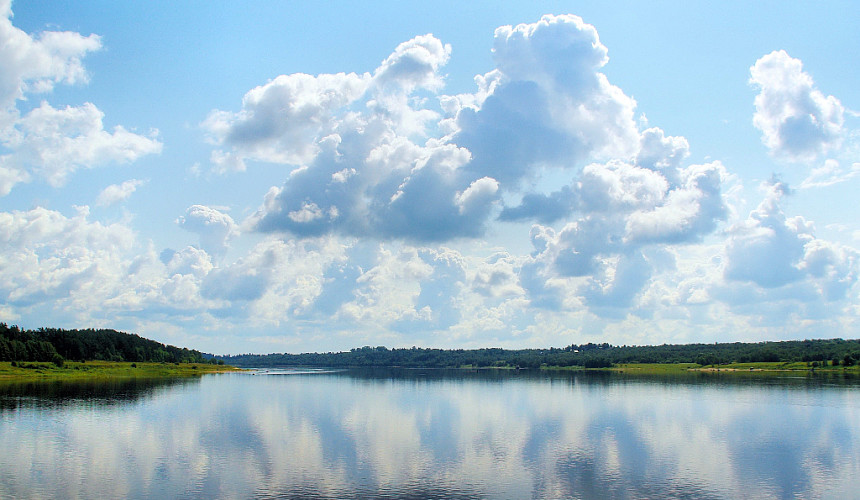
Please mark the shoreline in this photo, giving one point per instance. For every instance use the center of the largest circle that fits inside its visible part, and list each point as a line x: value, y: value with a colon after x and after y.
x: 29, y: 371
x: 797, y: 367
x: 37, y: 371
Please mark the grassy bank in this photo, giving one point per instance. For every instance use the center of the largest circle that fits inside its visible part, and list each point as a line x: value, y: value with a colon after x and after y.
x: 681, y: 368
x: 669, y: 368
x: 634, y: 368
x: 72, y: 370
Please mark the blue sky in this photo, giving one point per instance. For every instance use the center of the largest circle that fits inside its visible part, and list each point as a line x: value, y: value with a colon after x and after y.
x: 289, y: 176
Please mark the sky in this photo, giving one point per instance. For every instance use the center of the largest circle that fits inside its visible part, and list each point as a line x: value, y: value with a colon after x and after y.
x: 318, y: 176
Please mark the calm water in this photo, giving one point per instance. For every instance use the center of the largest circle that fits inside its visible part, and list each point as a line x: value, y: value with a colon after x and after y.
x: 413, y: 434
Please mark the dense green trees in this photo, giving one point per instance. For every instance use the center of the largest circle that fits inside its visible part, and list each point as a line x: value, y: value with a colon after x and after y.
x: 586, y: 355
x: 16, y: 344
x: 56, y: 345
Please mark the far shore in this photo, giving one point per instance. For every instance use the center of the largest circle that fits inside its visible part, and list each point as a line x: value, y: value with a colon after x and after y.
x: 770, y: 367
x: 688, y: 368
x: 89, y: 370
x: 76, y: 370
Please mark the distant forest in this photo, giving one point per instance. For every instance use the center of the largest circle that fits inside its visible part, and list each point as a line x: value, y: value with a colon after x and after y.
x: 831, y: 352
x: 56, y: 345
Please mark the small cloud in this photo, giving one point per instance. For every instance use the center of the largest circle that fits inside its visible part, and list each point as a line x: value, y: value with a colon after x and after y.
x: 214, y: 227
x: 117, y: 193
x: 9, y: 176
x: 480, y: 194
x: 414, y: 64
x: 308, y: 213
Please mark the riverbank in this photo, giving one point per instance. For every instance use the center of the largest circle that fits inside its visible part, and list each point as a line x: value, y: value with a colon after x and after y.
x: 670, y: 368
x: 73, y: 370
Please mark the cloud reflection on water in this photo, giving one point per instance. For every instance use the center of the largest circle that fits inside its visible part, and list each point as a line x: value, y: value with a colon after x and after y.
x: 345, y: 435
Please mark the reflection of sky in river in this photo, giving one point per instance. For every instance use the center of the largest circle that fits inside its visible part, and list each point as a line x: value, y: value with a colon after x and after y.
x: 338, y: 435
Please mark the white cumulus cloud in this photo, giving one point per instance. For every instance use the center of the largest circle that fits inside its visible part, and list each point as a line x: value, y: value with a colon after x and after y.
x: 34, y: 64
x: 778, y: 273
x: 414, y: 64
x: 383, y: 173
x: 49, y: 257
x: 215, y: 228
x: 797, y: 121
x: 772, y: 250
x: 52, y: 143
x: 548, y: 105
x: 282, y: 121
x: 370, y: 158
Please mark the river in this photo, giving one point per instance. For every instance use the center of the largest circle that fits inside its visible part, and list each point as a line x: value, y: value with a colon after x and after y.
x: 427, y: 434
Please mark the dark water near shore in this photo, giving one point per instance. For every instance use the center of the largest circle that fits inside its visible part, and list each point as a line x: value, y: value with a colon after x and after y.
x: 433, y: 434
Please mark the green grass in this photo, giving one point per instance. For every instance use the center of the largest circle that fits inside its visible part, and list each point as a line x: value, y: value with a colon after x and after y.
x: 681, y: 368
x: 72, y: 370
x: 643, y: 368
x: 780, y: 366
x: 669, y: 368
x: 654, y: 368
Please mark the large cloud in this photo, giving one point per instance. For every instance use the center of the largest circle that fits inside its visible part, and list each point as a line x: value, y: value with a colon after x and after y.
x: 360, y: 171
x: 369, y: 158
x: 72, y: 270
x: 771, y: 250
x: 48, y: 257
x: 622, y: 211
x: 400, y: 191
x: 796, y: 120
x: 778, y: 274
x: 548, y: 104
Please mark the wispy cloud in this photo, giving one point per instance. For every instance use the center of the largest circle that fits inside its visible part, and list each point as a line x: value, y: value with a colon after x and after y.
x: 117, y: 193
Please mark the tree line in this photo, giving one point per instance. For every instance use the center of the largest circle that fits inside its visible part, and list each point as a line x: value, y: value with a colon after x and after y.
x: 816, y: 352
x: 56, y: 345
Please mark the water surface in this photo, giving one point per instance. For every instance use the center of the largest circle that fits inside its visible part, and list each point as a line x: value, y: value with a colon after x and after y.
x: 433, y: 434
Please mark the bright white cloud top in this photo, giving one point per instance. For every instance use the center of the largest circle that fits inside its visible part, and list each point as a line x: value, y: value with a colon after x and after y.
x: 396, y: 205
